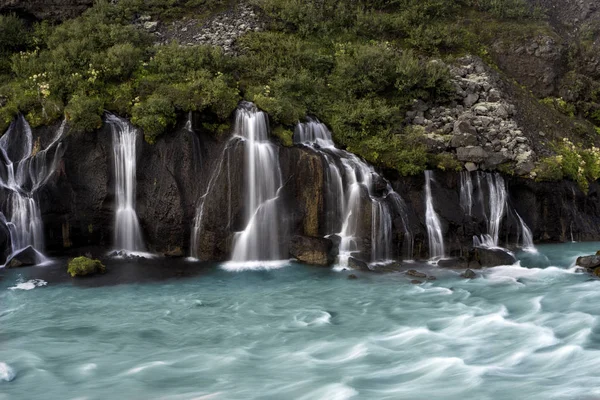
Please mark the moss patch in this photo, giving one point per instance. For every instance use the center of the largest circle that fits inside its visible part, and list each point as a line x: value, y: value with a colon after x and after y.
x: 82, y: 266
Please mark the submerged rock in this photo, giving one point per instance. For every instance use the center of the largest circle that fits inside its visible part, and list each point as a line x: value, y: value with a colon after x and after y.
x: 453, y: 263
x: 415, y: 273
x: 312, y: 250
x: 81, y: 266
x: 352, y: 276
x: 481, y: 257
x: 468, y: 274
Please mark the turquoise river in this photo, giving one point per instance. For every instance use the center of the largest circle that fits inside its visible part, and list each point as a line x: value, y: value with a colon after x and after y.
x: 528, y: 331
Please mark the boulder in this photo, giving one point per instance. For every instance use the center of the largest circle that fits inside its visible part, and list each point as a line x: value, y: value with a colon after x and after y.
x: 480, y: 257
x: 470, y: 99
x: 312, y: 250
x: 588, y: 262
x: 475, y: 154
x: 355, y: 263
x: 25, y: 257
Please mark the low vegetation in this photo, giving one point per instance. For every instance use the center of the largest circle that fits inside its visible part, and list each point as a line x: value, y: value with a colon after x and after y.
x: 357, y: 65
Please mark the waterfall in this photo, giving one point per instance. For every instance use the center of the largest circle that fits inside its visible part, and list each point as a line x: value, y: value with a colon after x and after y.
x: 260, y: 240
x: 497, y: 202
x: 526, y: 242
x: 466, y: 192
x: 25, y: 168
x: 128, y: 235
x: 349, y: 188
x: 495, y: 209
x: 434, y: 227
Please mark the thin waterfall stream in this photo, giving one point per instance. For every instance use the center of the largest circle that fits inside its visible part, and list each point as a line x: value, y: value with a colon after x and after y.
x: 432, y: 222
x: 128, y: 234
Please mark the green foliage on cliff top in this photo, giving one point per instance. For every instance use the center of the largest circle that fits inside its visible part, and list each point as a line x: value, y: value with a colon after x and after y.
x: 358, y: 65
x: 81, y: 266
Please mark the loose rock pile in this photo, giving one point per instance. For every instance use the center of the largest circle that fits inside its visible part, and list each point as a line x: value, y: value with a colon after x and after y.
x: 478, y: 126
x: 221, y: 30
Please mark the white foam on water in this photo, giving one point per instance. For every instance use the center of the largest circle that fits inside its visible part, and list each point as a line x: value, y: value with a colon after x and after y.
x: 239, y: 266
x: 7, y: 374
x: 126, y: 253
x: 29, y: 285
x: 142, y: 367
x: 312, y: 318
x: 335, y: 391
x: 87, y: 368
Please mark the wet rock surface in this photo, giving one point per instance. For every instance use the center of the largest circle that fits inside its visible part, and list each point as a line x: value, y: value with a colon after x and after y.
x: 312, y: 250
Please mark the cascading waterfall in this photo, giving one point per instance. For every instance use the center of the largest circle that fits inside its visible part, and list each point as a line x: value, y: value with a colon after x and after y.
x: 349, y: 182
x: 260, y: 240
x: 494, y: 210
x: 128, y: 234
x: 432, y: 221
x: 25, y: 168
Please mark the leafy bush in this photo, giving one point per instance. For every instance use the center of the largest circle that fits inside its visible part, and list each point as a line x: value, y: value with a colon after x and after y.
x: 84, y: 112
x: 153, y: 115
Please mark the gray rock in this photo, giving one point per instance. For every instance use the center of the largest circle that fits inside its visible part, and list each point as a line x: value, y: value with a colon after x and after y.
x: 589, y: 262
x: 470, y: 99
x: 469, y: 166
x: 486, y: 257
x: 418, y: 120
x: 480, y: 110
x: 415, y: 273
x: 501, y: 112
x: 355, y: 263
x: 474, y: 154
x: 469, y: 274
x: 495, y: 159
x: 494, y: 96
x: 151, y: 26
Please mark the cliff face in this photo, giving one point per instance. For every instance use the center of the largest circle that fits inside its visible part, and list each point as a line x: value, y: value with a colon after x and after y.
x: 175, y: 173
x: 55, y: 10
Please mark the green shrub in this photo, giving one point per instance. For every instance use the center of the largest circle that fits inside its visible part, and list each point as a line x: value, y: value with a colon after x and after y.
x: 82, y: 266
x: 153, y: 115
x: 14, y: 37
x: 549, y: 169
x: 85, y: 112
x: 446, y: 162
x: 285, y: 136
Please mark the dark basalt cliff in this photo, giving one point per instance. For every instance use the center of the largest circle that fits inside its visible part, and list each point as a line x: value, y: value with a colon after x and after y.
x: 174, y: 174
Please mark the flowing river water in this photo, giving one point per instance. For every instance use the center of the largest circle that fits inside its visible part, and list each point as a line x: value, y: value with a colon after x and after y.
x: 529, y: 331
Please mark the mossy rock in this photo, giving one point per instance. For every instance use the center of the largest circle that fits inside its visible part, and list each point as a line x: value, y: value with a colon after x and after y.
x: 81, y: 266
